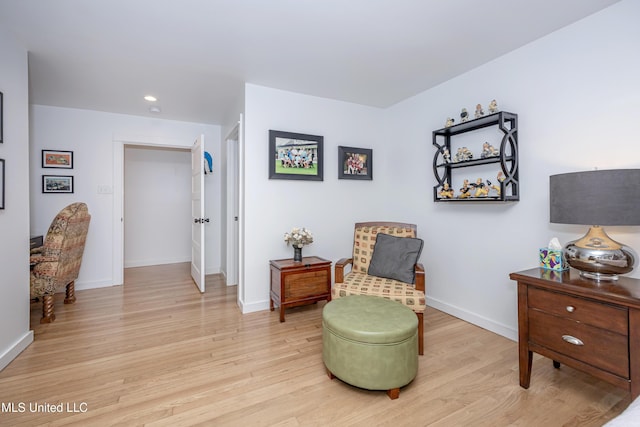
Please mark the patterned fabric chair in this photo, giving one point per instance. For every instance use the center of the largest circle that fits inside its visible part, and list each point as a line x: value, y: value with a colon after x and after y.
x: 359, y: 282
x: 58, y: 262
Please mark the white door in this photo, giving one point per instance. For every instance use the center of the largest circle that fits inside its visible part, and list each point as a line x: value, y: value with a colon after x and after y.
x: 197, y: 213
x: 232, y: 209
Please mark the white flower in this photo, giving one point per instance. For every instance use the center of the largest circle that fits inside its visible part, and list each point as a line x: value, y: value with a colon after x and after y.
x: 298, y: 237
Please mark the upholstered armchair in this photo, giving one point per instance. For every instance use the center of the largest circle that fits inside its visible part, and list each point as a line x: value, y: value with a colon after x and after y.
x: 58, y: 263
x: 384, y: 263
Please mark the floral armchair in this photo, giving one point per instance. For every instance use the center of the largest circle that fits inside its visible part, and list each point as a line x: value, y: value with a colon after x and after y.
x: 58, y: 262
x: 385, y: 264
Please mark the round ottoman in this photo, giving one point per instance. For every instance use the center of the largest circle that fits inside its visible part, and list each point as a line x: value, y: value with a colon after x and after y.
x: 370, y: 342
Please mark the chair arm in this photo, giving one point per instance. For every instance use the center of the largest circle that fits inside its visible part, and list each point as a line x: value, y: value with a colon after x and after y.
x: 339, y: 269
x: 36, y: 259
x: 45, y: 268
x: 420, y: 282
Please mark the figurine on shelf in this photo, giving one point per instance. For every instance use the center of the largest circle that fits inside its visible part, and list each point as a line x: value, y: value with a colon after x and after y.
x: 489, y: 150
x: 462, y: 155
x: 464, y: 115
x: 479, y: 111
x: 481, y: 189
x: 465, y: 191
x: 459, y: 157
x: 493, y: 107
x: 446, y: 155
x: 494, y: 187
x: 446, y: 192
x: 500, y: 176
x: 449, y: 122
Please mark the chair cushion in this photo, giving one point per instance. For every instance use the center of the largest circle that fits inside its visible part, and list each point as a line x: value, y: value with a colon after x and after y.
x: 364, y: 240
x: 356, y: 283
x: 395, y: 257
x: 369, y: 319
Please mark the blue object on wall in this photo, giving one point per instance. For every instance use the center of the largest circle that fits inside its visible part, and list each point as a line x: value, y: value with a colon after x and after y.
x: 208, y: 163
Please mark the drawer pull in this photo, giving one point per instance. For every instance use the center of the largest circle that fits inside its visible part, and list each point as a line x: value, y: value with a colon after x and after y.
x: 571, y: 308
x: 572, y: 340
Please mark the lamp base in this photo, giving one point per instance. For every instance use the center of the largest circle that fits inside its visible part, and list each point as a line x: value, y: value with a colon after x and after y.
x: 599, y: 257
x: 599, y: 276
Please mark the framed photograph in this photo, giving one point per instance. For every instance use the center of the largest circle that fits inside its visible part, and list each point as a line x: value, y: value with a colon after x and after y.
x: 57, y: 184
x: 57, y: 159
x: 1, y: 183
x: 355, y: 163
x: 1, y: 114
x: 295, y: 156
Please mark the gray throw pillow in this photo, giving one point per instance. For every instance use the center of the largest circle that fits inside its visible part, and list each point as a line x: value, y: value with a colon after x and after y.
x: 395, y: 257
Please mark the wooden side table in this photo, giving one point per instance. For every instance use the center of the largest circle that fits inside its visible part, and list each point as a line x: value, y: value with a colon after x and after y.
x: 592, y: 326
x: 295, y: 283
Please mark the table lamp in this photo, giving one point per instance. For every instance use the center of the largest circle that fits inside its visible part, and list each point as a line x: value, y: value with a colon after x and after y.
x: 597, y: 198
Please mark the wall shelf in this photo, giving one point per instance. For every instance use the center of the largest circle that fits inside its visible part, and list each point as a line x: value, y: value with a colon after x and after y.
x: 507, y: 124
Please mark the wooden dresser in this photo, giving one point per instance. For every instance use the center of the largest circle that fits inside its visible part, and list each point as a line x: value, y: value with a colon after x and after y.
x: 295, y: 283
x: 588, y: 325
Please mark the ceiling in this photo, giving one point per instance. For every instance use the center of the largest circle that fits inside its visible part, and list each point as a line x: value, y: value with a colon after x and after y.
x: 196, y: 55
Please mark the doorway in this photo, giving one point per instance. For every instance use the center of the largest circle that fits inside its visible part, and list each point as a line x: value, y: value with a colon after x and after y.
x: 119, y: 145
x: 232, y: 219
x: 157, y: 205
x: 231, y: 212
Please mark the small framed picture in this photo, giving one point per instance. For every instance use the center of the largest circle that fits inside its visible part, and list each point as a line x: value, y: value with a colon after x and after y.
x: 57, y: 184
x: 295, y: 156
x: 355, y: 163
x: 57, y: 159
x: 1, y: 183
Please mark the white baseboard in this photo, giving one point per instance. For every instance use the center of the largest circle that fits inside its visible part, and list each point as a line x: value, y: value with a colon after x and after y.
x: 212, y: 270
x: 81, y: 286
x: 253, y: 307
x: 17, y: 348
x: 148, y: 262
x: 483, y: 322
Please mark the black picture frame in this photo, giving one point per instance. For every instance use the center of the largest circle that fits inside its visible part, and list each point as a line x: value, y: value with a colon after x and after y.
x: 57, y: 184
x: 2, y: 175
x: 355, y: 163
x: 57, y: 159
x: 285, y: 161
x: 1, y: 117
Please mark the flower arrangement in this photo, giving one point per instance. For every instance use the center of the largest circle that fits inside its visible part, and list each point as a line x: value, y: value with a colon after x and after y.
x: 298, y: 237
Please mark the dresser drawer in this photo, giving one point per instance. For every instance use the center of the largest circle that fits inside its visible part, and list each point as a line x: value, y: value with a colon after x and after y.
x: 601, y: 348
x: 581, y: 310
x: 306, y: 284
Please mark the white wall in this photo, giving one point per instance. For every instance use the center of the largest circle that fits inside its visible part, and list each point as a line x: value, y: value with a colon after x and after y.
x: 91, y: 135
x: 157, y: 205
x: 329, y: 208
x: 577, y: 95
x: 14, y: 218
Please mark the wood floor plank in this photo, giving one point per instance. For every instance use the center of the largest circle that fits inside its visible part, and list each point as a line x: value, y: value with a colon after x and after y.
x: 157, y: 352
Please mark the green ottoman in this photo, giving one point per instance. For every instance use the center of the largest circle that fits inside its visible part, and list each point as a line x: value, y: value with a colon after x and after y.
x: 370, y: 342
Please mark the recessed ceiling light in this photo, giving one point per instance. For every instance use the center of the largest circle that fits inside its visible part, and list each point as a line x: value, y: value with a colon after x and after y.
x: 154, y: 109
x: 150, y: 98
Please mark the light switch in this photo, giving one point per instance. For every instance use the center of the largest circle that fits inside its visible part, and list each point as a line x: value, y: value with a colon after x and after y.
x: 105, y: 189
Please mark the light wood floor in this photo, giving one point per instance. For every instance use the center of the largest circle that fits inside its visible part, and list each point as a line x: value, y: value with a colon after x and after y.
x: 155, y: 352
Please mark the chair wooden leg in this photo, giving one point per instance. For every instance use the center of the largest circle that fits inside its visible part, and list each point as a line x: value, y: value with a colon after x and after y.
x: 420, y: 333
x: 70, y: 293
x: 47, y: 309
x: 393, y: 393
